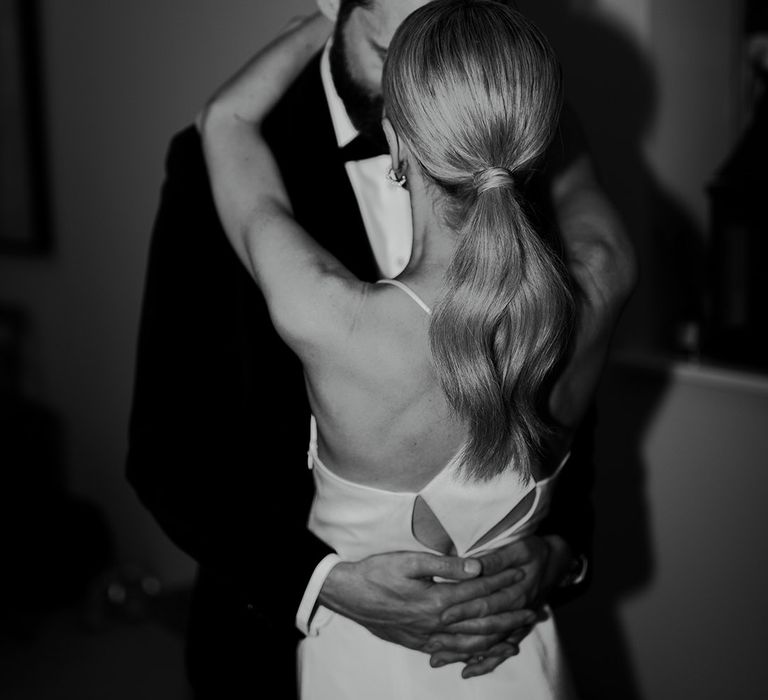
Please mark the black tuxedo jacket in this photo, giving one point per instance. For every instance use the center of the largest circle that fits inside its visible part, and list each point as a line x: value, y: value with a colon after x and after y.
x: 220, y: 420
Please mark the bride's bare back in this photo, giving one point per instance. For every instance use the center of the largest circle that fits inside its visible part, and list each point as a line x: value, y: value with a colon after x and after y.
x: 382, y: 417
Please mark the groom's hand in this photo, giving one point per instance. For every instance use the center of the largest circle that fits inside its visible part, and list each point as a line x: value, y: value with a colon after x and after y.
x: 507, y: 614
x: 396, y: 598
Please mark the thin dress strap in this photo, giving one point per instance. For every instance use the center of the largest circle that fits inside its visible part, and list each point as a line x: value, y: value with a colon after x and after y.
x: 408, y: 291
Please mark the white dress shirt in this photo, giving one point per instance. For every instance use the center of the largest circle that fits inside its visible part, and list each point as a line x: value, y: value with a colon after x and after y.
x: 385, y: 207
x: 386, y: 213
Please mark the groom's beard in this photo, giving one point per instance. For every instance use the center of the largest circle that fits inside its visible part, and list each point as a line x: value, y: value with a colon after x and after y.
x: 363, y: 107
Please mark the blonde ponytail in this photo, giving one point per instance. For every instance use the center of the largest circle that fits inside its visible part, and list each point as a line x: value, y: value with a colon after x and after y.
x: 498, y: 331
x: 474, y: 90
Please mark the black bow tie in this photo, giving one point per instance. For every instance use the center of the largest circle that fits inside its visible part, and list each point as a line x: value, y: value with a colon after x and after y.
x: 362, y: 147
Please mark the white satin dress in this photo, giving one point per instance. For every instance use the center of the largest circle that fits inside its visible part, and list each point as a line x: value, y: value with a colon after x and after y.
x: 341, y: 660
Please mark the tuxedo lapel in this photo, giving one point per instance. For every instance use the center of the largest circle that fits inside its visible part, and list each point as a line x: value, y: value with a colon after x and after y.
x: 300, y: 132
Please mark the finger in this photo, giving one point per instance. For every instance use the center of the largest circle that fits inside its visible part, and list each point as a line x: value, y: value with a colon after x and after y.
x: 515, y: 554
x: 505, y: 599
x: 424, y: 565
x: 506, y: 622
x: 519, y: 635
x: 443, y: 658
x: 487, y: 665
x: 502, y: 649
x: 463, y: 643
x: 478, y: 589
x: 329, y: 8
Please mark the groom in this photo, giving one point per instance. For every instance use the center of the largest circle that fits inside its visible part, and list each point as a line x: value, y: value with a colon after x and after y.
x: 220, y: 421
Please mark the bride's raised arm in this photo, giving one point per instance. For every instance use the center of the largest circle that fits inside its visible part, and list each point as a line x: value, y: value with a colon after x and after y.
x: 248, y: 190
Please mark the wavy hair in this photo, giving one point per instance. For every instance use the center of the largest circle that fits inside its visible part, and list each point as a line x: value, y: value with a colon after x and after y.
x: 474, y: 89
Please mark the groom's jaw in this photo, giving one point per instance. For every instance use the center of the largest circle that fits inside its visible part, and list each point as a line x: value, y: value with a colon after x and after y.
x: 361, y: 38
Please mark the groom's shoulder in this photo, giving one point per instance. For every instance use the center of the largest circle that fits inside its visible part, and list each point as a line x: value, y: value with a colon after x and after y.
x: 185, y: 149
x: 302, y: 113
x: 306, y: 93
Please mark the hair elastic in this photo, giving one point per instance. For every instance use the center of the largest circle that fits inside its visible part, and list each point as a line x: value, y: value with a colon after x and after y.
x: 491, y: 178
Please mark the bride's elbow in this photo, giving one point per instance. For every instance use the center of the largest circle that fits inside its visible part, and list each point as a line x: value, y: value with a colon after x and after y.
x: 200, y: 120
x: 210, y: 113
x: 217, y: 113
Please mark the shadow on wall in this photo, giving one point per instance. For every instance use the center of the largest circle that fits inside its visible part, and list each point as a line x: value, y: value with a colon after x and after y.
x: 610, y: 83
x: 611, y: 86
x: 623, y: 561
x: 54, y: 544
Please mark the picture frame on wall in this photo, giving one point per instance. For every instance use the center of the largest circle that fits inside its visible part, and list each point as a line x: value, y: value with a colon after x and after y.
x: 24, y: 222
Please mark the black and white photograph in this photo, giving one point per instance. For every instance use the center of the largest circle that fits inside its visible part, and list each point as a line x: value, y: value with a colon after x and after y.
x: 383, y: 349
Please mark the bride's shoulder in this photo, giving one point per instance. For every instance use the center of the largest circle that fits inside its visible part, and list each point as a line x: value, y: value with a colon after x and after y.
x: 366, y: 331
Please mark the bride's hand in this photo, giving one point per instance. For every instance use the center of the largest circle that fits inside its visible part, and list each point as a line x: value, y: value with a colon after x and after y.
x: 253, y: 90
x: 330, y: 8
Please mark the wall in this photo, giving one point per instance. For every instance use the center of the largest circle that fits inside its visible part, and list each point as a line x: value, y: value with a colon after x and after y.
x: 120, y: 78
x: 677, y: 609
x: 698, y: 60
x: 653, y: 82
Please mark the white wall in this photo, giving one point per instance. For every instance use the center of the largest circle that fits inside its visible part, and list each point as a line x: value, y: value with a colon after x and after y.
x: 653, y: 83
x: 678, y: 606
x: 691, y: 51
x: 700, y: 99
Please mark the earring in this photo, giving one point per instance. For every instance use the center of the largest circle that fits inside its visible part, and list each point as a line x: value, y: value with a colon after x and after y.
x: 396, y: 179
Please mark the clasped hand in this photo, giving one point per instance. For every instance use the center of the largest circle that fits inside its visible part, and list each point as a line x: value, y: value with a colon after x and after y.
x: 478, y: 617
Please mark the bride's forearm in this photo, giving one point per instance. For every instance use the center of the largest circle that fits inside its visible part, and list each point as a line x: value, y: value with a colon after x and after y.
x: 247, y: 185
x: 251, y: 93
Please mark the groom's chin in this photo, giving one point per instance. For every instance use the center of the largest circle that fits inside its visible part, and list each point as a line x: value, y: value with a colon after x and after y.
x: 363, y: 107
x: 365, y: 112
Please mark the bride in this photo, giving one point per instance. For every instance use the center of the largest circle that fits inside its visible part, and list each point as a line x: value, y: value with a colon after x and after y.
x: 433, y: 395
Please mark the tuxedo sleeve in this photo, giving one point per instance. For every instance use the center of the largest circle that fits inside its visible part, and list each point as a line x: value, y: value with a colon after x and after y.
x: 572, y: 513
x: 219, y: 421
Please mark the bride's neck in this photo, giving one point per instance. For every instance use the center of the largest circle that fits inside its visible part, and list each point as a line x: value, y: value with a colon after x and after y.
x: 433, y: 242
